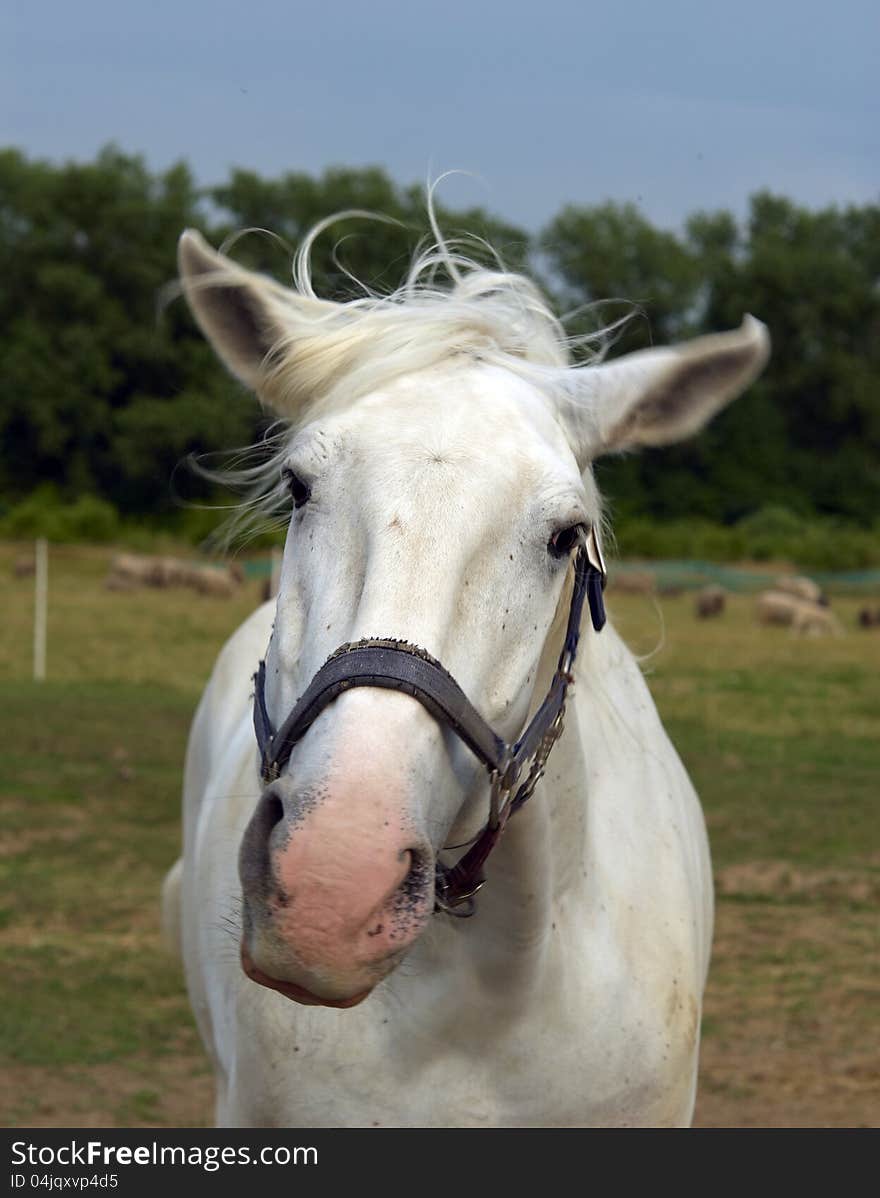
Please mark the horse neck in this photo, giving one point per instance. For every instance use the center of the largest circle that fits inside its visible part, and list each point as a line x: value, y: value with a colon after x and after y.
x: 538, y: 865
x: 544, y: 870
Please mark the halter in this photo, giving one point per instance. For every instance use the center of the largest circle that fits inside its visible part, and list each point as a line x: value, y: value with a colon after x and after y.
x: 398, y: 665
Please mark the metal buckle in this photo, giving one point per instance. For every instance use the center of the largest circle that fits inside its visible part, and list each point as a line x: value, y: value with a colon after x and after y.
x: 464, y: 901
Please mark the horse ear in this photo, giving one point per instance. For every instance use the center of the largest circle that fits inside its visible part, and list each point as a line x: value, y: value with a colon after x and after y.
x: 250, y: 320
x: 230, y: 306
x: 659, y: 396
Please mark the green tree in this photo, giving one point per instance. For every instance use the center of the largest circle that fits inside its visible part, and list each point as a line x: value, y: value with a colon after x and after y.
x: 611, y: 256
x: 811, y: 426
x: 93, y: 387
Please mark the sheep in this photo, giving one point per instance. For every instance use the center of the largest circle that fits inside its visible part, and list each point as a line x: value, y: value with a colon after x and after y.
x: 24, y: 567
x: 633, y: 582
x: 801, y: 615
x: 801, y: 588
x: 214, y: 581
x: 129, y: 570
x: 709, y: 602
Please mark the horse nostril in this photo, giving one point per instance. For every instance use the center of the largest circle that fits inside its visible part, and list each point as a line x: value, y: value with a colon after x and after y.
x: 413, y: 886
x: 274, y: 812
x: 254, y: 864
x: 269, y: 813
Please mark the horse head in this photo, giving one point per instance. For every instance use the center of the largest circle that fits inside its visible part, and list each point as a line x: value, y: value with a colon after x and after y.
x: 438, y: 467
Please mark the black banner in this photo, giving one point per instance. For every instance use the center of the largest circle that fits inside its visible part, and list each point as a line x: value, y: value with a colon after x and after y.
x: 118, y: 1163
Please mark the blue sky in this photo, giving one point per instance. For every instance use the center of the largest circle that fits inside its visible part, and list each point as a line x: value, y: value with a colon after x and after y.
x: 677, y: 105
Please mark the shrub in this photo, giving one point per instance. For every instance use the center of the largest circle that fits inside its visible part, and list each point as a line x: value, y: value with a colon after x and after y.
x: 689, y: 539
x: 44, y: 513
x: 772, y: 532
x: 769, y: 534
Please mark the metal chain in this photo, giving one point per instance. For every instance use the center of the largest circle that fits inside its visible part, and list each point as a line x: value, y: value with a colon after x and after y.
x: 536, y: 771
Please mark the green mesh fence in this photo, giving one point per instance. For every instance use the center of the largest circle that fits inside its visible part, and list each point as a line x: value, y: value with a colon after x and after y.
x: 257, y: 567
x: 691, y: 575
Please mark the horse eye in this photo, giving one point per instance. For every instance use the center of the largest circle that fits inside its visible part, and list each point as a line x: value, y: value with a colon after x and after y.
x: 300, y: 491
x: 564, y: 540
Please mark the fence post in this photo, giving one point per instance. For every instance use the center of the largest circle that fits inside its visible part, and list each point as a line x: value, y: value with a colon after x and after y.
x: 41, y: 594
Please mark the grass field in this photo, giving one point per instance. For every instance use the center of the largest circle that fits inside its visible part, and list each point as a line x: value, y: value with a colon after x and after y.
x: 781, y: 736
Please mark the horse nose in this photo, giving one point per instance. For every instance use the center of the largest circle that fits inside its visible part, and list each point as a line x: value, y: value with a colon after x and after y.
x: 339, y: 881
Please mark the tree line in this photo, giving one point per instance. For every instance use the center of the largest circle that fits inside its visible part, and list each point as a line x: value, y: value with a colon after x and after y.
x: 104, y: 389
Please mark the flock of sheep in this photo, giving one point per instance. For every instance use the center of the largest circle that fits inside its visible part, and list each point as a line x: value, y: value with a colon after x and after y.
x: 797, y: 602
x: 130, y: 570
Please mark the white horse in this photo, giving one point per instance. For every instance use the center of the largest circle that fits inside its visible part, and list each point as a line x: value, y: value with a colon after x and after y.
x: 438, y: 455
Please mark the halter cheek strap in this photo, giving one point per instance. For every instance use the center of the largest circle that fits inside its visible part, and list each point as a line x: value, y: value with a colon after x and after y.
x: 398, y: 665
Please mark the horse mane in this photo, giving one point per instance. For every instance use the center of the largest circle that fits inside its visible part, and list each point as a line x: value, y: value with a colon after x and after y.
x: 333, y: 352
x: 449, y: 305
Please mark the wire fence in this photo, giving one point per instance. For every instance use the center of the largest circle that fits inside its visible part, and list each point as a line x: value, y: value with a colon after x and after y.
x: 692, y: 575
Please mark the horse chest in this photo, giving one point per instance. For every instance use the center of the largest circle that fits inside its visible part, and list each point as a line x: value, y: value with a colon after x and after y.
x: 569, y: 1060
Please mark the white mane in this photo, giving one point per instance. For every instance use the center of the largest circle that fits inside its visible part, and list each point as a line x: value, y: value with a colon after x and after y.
x: 448, y: 305
x: 334, y: 352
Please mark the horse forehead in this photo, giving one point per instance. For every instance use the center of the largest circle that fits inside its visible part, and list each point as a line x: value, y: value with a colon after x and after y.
x: 463, y: 418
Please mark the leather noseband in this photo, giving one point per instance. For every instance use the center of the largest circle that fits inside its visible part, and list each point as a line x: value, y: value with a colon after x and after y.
x: 398, y: 665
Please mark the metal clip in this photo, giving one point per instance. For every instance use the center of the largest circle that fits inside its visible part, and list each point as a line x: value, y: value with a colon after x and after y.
x: 463, y: 906
x: 558, y: 726
x: 594, y: 553
x: 502, y: 782
x: 467, y: 904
